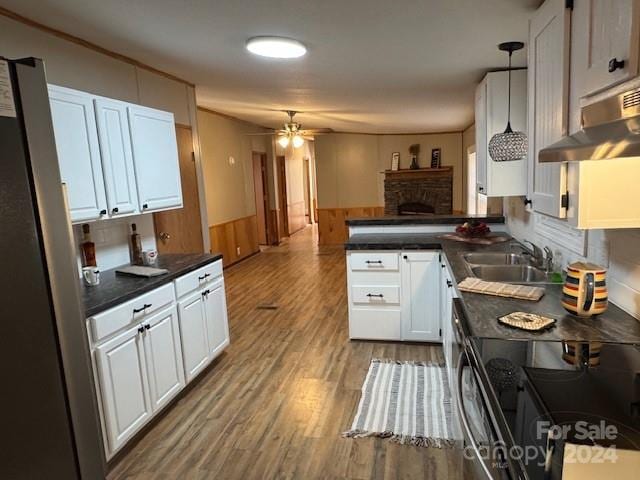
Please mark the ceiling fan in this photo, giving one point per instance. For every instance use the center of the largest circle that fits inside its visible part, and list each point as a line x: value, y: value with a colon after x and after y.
x: 293, y: 132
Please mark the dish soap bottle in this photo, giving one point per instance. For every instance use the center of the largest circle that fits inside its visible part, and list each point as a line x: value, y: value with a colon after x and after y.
x: 136, y: 246
x: 87, y: 248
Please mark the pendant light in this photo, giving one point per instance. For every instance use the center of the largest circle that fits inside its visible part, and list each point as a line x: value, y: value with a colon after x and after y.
x: 509, y: 145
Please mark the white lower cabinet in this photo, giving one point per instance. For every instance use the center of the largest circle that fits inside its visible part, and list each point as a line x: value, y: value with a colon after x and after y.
x: 421, y: 296
x: 163, y: 356
x: 193, y: 333
x: 124, y: 389
x: 215, y: 305
x: 145, y: 350
x: 394, y: 295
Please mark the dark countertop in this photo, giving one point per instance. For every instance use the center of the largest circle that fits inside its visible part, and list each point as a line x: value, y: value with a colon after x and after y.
x: 482, y: 311
x: 422, y: 220
x: 115, y: 289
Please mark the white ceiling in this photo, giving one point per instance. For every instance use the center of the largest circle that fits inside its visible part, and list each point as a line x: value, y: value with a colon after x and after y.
x: 372, y: 65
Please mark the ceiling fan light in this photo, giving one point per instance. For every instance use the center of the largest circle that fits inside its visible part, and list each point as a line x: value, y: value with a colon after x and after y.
x: 298, y: 141
x: 276, y: 47
x: 283, y: 141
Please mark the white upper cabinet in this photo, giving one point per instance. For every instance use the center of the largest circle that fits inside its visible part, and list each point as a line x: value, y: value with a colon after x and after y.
x: 611, y: 47
x: 548, y: 105
x: 155, y: 154
x: 74, y: 126
x: 420, y: 302
x: 117, y: 159
x: 500, y: 179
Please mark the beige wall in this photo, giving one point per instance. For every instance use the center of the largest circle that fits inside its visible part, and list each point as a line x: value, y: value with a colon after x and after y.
x: 349, y: 166
x: 71, y: 65
x: 229, y: 186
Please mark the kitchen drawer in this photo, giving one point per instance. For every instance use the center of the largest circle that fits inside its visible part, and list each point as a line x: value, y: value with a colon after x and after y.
x: 106, y: 323
x: 374, y: 324
x: 375, y: 294
x: 198, y: 278
x: 373, y: 261
x: 382, y: 277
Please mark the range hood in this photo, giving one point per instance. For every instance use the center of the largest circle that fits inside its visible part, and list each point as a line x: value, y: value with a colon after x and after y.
x: 610, y: 129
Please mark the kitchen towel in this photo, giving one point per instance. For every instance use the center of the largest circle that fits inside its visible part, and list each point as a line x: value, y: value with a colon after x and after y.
x: 407, y: 402
x: 523, y: 292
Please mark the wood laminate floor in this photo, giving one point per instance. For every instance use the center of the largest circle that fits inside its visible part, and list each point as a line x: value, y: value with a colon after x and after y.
x: 274, y: 404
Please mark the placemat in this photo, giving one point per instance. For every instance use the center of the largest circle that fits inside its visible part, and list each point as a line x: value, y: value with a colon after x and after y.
x: 523, y: 292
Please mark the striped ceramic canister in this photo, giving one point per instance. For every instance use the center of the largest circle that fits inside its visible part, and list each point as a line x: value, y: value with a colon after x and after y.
x: 585, y: 289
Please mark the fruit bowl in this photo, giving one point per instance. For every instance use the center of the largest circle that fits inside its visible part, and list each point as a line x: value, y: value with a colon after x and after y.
x: 473, y: 229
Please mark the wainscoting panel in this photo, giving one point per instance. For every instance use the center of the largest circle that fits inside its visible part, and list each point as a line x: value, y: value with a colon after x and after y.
x: 228, y: 237
x: 297, y: 219
x: 331, y: 227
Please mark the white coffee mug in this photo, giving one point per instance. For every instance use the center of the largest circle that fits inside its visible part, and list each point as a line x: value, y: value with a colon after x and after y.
x: 149, y: 257
x: 91, y: 275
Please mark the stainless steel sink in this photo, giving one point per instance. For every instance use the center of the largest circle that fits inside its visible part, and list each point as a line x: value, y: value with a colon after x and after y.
x: 510, y: 273
x: 495, y: 258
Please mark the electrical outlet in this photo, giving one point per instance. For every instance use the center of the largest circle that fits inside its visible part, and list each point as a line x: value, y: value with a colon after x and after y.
x: 238, y: 251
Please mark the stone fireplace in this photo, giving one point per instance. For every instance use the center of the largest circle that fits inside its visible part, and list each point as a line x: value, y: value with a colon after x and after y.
x: 418, y: 192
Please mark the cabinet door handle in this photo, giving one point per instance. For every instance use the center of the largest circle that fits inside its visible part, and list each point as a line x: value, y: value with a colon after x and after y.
x: 145, y: 205
x: 206, y: 292
x: 442, y: 265
x: 206, y: 275
x: 103, y: 212
x: 143, y: 308
x: 115, y: 210
x: 615, y: 64
x: 449, y: 283
x: 147, y: 327
x: 140, y: 329
x: 405, y: 257
x: 377, y: 295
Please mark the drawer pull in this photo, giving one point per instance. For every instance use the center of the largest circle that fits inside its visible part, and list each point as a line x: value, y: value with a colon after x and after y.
x: 373, y: 262
x: 206, y: 275
x: 449, y: 283
x: 377, y: 295
x: 143, y: 308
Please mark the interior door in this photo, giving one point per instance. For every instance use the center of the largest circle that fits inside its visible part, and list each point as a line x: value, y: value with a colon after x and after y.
x: 117, y: 158
x: 259, y: 177
x: 76, y: 135
x: 163, y: 356
x: 180, y: 230
x: 193, y: 333
x: 548, y: 104
x: 420, y: 305
x: 155, y: 157
x: 217, y: 324
x: 282, y: 197
x: 122, y: 372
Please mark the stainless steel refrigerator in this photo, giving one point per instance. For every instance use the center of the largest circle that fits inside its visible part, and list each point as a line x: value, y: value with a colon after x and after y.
x: 49, y: 425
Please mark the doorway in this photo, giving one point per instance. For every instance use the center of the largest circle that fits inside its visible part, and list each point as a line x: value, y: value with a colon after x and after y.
x: 261, y: 190
x: 283, y: 211
x: 180, y: 231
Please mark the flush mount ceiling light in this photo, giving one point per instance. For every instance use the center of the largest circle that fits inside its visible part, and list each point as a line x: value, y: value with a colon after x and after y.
x: 509, y: 145
x: 276, y: 47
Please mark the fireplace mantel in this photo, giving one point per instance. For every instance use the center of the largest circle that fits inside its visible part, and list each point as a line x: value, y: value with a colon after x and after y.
x: 425, y: 189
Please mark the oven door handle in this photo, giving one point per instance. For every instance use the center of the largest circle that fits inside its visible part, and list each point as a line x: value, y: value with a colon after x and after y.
x: 466, y: 425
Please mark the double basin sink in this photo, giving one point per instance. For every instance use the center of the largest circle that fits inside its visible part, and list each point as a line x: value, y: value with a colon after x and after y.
x: 505, y: 267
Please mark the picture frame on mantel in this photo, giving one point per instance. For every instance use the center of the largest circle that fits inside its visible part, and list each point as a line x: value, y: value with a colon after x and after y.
x: 395, y: 161
x: 436, y: 157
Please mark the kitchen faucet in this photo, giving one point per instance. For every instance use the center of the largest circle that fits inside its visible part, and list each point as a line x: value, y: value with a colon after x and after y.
x: 539, y: 259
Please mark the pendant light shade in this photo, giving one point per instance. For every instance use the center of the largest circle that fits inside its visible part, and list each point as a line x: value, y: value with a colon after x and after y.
x: 508, y: 146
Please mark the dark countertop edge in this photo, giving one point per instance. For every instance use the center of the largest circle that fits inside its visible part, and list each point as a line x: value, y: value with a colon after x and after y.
x: 423, y: 220
x: 399, y: 245
x: 152, y: 284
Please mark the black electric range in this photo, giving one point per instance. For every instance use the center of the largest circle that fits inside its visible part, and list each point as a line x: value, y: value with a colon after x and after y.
x: 554, y: 396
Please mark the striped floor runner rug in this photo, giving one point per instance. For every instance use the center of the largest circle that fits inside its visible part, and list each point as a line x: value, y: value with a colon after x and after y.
x: 407, y: 402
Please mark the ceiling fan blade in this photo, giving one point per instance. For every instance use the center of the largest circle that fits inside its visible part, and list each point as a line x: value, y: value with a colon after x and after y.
x: 262, y: 133
x: 316, y: 131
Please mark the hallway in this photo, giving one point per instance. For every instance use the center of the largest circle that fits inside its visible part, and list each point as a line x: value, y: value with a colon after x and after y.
x: 274, y: 405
